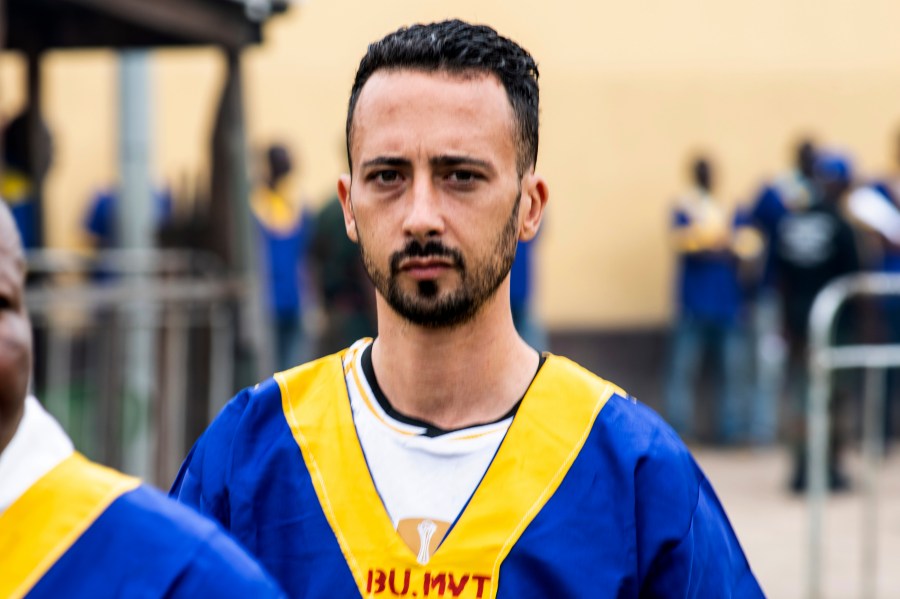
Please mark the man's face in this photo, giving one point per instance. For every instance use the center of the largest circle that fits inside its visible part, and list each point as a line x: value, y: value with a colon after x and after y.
x: 15, y: 331
x: 434, y: 198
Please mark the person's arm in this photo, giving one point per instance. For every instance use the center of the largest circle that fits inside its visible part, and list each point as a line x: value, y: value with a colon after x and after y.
x: 202, y: 481
x: 876, y: 212
x: 686, y: 546
x: 220, y: 568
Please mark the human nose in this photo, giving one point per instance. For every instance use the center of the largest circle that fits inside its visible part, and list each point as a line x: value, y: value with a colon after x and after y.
x: 424, y: 218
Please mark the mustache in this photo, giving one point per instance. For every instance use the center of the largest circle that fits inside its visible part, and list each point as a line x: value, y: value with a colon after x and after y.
x: 430, y: 249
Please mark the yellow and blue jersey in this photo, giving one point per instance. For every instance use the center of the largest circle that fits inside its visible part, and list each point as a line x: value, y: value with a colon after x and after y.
x: 590, y: 494
x: 708, y: 287
x: 83, y: 530
x: 284, y: 236
x: 16, y: 189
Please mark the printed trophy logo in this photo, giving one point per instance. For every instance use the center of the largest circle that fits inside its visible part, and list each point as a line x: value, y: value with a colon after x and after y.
x: 422, y: 536
x: 426, y: 530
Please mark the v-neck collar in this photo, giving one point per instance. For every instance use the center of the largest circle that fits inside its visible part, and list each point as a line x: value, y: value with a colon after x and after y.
x: 429, y: 429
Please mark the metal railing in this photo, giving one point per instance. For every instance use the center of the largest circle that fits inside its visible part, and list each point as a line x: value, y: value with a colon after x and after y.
x: 823, y: 359
x: 127, y: 357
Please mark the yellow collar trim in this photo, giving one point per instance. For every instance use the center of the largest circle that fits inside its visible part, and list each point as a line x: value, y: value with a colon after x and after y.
x: 549, y: 429
x: 49, y: 517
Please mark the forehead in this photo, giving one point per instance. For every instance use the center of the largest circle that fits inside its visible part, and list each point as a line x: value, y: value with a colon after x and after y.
x: 446, y: 111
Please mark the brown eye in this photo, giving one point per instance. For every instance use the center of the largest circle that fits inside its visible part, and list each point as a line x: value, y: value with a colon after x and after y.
x: 387, y: 176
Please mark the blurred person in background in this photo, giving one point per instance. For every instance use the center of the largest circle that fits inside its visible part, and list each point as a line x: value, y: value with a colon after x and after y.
x: 72, y: 528
x: 791, y: 191
x: 20, y: 177
x: 285, y: 225
x: 101, y: 218
x: 812, y: 245
x: 709, y: 307
x: 447, y: 456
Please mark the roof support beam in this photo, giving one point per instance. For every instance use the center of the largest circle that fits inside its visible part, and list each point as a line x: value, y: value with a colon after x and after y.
x: 194, y: 20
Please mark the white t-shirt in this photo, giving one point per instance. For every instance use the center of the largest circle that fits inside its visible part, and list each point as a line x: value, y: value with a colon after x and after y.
x: 424, y: 476
x: 37, y: 447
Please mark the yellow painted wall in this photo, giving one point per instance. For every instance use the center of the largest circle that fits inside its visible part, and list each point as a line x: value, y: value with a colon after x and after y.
x: 629, y: 90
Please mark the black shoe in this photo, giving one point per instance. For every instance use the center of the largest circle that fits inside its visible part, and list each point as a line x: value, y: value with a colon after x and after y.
x: 797, y: 483
x: 838, y: 482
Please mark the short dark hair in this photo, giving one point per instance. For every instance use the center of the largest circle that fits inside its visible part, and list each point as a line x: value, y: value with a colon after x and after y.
x: 460, y: 48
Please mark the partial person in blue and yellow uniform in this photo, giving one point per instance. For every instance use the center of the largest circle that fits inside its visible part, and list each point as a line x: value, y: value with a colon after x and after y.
x: 22, y: 168
x: 710, y: 247
x: 446, y: 457
x: 285, y: 228
x: 72, y: 528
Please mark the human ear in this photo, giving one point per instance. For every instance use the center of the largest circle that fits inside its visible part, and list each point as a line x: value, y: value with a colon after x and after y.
x: 535, y: 194
x: 343, y: 189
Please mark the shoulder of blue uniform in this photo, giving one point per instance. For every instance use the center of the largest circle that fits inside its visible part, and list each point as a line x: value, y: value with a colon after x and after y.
x: 610, y: 388
x: 675, y: 504
x: 147, y: 507
x: 202, y: 480
x: 193, y: 550
x: 628, y: 420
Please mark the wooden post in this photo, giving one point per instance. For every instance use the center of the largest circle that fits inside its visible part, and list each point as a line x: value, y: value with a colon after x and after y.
x: 39, y: 144
x: 234, y: 237
x: 2, y: 46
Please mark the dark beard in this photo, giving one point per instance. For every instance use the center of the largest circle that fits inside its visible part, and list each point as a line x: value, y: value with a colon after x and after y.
x: 424, y: 307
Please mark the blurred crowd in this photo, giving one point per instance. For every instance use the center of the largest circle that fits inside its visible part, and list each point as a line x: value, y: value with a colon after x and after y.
x: 746, y: 281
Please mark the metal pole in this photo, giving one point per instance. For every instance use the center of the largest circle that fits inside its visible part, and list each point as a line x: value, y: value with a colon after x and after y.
x: 817, y: 466
x: 172, y: 403
x: 823, y: 359
x: 221, y: 371
x: 873, y: 442
x: 135, y: 225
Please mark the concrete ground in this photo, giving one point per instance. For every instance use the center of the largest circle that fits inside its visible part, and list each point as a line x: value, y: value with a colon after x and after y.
x: 773, y: 525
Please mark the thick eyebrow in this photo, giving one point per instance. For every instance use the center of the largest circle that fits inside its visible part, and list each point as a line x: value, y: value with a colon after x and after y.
x: 443, y: 161
x: 449, y: 161
x: 387, y: 161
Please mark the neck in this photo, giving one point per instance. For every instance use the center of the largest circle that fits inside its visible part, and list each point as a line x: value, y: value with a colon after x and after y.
x: 457, y: 377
